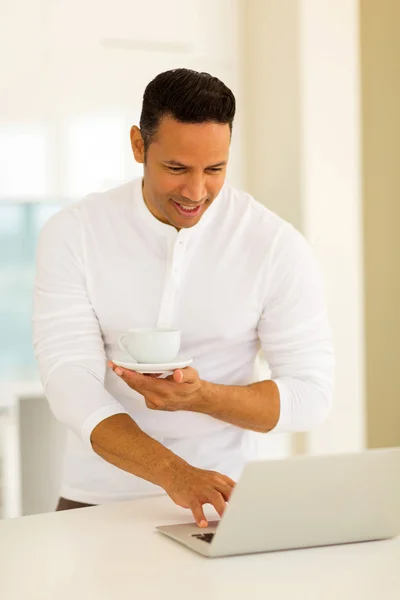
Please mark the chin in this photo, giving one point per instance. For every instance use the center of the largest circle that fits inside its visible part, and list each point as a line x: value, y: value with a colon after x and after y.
x: 180, y: 222
x: 185, y: 223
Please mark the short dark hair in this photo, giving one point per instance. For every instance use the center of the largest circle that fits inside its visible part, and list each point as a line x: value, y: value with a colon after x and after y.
x: 187, y: 96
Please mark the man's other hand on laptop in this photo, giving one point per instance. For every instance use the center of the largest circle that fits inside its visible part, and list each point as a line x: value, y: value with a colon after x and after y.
x: 190, y: 487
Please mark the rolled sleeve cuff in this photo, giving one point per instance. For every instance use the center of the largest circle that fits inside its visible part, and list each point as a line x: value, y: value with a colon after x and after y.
x: 95, y: 418
x: 284, y: 422
x: 304, y: 404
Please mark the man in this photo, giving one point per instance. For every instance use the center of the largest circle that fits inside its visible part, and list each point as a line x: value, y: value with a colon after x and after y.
x: 177, y: 248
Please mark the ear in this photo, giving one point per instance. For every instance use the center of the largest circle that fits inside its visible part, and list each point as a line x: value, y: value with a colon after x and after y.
x: 137, y: 144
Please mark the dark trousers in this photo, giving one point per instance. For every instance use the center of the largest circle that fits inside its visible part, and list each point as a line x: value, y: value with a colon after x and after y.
x: 64, y: 504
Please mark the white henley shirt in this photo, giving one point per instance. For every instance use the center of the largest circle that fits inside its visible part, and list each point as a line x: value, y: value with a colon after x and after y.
x: 240, y: 280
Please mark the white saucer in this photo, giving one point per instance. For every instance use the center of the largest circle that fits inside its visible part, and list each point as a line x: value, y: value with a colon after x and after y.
x: 126, y: 363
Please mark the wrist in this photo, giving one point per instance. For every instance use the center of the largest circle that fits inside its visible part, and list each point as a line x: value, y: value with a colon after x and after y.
x: 168, y: 469
x: 205, y: 397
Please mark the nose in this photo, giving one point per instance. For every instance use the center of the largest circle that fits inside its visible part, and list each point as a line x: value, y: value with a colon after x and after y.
x: 194, y: 189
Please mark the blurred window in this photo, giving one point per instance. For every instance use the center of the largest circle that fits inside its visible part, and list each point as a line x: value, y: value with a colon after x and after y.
x: 20, y: 224
x: 89, y: 153
x: 23, y: 162
x: 95, y: 157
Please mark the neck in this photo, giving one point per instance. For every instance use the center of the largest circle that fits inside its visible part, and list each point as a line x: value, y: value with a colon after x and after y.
x: 152, y: 209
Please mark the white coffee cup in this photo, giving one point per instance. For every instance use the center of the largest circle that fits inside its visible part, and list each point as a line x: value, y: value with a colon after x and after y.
x: 151, y: 345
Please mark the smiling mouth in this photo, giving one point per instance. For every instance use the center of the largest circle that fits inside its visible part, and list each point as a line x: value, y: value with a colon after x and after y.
x: 187, y: 211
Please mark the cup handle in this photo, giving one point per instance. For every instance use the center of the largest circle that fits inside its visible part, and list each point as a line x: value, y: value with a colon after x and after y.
x: 121, y: 342
x: 124, y: 348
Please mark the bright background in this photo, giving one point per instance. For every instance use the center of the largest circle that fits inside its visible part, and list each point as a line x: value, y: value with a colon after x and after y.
x: 316, y: 139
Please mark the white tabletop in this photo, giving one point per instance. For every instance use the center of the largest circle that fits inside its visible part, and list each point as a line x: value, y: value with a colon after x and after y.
x: 112, y: 552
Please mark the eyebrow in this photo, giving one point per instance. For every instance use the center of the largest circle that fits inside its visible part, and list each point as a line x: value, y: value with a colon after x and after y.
x: 174, y: 163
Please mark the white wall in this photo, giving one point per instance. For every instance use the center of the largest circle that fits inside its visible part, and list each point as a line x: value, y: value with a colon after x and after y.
x: 295, y: 75
x: 303, y: 153
x: 72, y: 79
x: 272, y: 104
x: 332, y: 202
x: 380, y: 47
x: 270, y: 42
x: 65, y: 61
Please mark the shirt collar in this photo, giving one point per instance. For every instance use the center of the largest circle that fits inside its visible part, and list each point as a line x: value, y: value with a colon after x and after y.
x: 163, y: 228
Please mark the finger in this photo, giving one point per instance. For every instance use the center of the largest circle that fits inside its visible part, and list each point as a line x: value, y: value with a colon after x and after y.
x: 136, y: 381
x: 226, y: 491
x: 198, y: 513
x: 113, y: 366
x: 223, y: 479
x: 151, y: 405
x: 218, y: 502
x: 178, y: 376
x: 228, y: 480
x: 187, y: 375
x: 155, y: 402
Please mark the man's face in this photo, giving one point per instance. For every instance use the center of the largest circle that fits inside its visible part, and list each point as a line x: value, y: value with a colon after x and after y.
x: 185, y: 169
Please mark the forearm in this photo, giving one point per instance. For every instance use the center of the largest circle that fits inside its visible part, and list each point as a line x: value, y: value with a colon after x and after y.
x: 255, y: 407
x: 120, y: 441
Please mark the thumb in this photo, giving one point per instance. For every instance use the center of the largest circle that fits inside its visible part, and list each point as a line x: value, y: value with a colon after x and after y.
x: 178, y: 376
x: 186, y: 375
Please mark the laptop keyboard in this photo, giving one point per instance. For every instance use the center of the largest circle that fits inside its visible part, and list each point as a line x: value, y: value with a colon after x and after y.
x: 206, y: 537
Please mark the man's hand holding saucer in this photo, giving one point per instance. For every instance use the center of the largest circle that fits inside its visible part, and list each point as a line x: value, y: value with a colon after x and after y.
x: 183, y: 390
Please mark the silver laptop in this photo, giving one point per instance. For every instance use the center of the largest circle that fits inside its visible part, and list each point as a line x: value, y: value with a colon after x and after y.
x: 302, y: 502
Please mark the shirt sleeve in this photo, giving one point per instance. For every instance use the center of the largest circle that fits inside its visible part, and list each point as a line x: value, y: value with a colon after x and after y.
x: 66, y: 334
x: 295, y: 333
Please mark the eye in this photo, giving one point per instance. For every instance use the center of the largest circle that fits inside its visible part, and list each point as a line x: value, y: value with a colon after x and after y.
x: 176, y: 169
x: 215, y: 170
